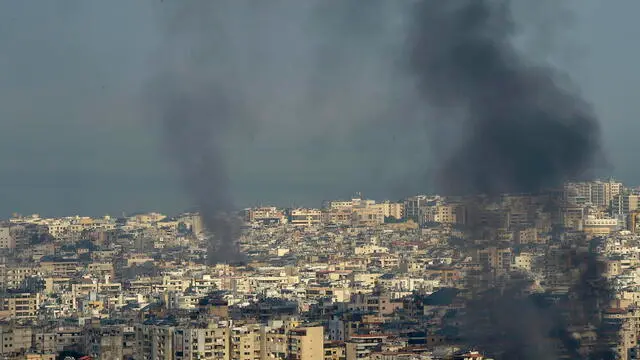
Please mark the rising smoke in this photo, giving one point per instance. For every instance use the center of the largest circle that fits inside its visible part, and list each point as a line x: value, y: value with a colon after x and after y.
x: 298, y: 78
x: 522, y: 131
x: 302, y: 72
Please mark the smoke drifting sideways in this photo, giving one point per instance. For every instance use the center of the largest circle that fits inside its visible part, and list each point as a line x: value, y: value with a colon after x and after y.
x: 521, y: 130
x: 234, y: 77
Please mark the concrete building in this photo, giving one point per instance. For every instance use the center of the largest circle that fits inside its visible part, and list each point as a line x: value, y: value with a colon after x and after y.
x: 19, y: 305
x: 368, y: 216
x: 393, y: 209
x: 211, y: 343
x: 625, y: 203
x: 306, y: 343
x: 104, y: 342
x: 265, y: 215
x: 13, y: 277
x: 246, y: 342
x: 599, y: 227
x: 15, y: 340
x: 598, y: 193
x: 305, y: 217
x: 337, y: 216
x: 6, y: 239
x: 413, y: 206
x: 154, y: 342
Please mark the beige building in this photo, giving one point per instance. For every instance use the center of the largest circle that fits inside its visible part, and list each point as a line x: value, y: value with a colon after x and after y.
x: 362, y: 346
x: 306, y: 343
x: 59, y: 268
x: 599, y: 227
x: 447, y: 214
x: 306, y: 217
x: 265, y: 214
x: 218, y: 341
x: 335, y: 350
x: 289, y: 341
x: 40, y: 356
x: 337, y: 216
x: 392, y: 209
x: 368, y: 216
x: 19, y: 305
x: 246, y: 342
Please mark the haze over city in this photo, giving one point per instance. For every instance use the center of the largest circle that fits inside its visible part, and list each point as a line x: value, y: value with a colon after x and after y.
x: 319, y: 180
x: 76, y: 136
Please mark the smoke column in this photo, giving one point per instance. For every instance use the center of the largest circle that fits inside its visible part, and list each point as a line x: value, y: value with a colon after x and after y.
x: 519, y: 129
x: 293, y: 73
x: 297, y: 76
x: 522, y: 131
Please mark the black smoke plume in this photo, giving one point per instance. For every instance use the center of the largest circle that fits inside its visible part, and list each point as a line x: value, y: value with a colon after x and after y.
x: 522, y: 130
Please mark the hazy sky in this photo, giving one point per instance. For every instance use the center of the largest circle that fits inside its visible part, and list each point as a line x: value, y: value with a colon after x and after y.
x: 75, y: 138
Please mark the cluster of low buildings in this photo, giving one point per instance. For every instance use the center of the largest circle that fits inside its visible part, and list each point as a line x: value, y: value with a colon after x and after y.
x: 354, y: 279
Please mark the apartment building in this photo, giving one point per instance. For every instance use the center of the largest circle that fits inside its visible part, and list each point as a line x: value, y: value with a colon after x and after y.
x: 368, y: 216
x: 393, y: 209
x: 7, y: 240
x: 306, y: 343
x: 19, y: 305
x: 59, y: 267
x: 598, y: 193
x: 154, y: 342
x: 69, y: 338
x: 337, y: 216
x: 246, y: 342
x: 265, y: 215
x: 211, y: 343
x: 362, y: 346
x: 335, y: 350
x: 104, y: 342
x: 13, y: 277
x: 499, y: 259
x: 15, y: 340
x: 305, y: 217
x: 219, y: 341
x: 625, y: 203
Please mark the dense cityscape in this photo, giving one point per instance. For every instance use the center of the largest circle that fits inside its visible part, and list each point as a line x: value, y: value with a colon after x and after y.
x: 353, y: 279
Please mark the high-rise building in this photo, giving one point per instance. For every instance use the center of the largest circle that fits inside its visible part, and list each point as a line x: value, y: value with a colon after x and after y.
x: 414, y: 206
x: 598, y: 193
x: 625, y: 203
x: 211, y: 343
x: 306, y: 343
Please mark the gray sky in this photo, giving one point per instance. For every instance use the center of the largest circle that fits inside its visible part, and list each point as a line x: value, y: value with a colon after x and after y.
x: 75, y: 138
